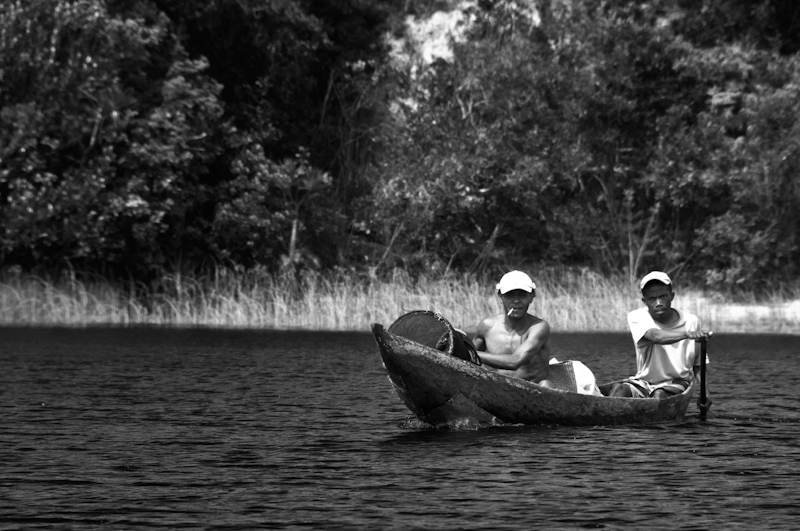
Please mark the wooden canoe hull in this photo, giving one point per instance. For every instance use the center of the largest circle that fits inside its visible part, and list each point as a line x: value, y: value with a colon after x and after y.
x: 445, y: 391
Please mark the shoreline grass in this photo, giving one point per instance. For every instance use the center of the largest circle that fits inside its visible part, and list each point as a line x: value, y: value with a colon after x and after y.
x: 572, y: 301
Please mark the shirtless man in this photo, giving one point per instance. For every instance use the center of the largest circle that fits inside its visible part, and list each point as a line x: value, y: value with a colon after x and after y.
x: 514, y: 342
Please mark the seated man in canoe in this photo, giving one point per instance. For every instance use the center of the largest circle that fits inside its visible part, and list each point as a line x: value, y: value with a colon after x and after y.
x: 515, y: 342
x: 666, y: 341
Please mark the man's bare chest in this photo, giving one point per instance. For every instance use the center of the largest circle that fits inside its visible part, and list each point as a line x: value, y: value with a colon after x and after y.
x: 504, y: 342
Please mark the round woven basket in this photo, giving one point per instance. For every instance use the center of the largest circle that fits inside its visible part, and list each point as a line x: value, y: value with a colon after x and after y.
x: 433, y: 330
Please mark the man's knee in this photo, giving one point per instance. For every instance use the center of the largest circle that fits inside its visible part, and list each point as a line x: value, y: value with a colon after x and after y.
x: 547, y: 383
x: 661, y: 394
x: 620, y: 390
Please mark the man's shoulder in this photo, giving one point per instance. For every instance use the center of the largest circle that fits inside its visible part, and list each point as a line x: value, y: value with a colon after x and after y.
x: 491, y: 321
x: 538, y: 321
x: 538, y: 325
x: 639, y: 322
x: 638, y: 314
x: 687, y: 317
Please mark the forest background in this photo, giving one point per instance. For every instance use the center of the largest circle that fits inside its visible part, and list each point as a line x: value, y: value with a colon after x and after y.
x: 311, y: 163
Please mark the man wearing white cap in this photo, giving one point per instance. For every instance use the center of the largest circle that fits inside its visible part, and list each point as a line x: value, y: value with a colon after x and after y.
x: 666, y: 341
x: 515, y: 342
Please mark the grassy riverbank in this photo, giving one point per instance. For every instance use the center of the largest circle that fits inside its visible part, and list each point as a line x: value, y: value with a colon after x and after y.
x: 571, y: 301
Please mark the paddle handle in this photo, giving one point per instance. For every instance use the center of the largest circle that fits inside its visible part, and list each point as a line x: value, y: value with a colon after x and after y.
x: 703, y: 392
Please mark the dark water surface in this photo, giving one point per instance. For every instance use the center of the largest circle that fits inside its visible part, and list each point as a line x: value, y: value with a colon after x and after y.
x: 212, y: 429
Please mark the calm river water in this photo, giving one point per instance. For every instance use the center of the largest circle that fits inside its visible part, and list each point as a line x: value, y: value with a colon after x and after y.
x: 150, y: 428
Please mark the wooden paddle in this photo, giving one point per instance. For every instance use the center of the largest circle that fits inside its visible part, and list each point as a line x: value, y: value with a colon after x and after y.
x: 703, y: 394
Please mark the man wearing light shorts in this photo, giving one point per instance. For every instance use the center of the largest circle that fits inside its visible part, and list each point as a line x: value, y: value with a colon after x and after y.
x: 666, y: 341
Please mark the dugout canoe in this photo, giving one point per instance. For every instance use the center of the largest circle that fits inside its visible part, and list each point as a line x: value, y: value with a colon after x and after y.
x: 448, y: 392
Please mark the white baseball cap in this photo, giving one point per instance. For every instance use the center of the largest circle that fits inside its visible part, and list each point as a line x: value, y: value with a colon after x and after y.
x: 655, y: 275
x: 515, y: 280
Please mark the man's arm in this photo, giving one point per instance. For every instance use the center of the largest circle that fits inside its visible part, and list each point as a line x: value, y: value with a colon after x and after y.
x: 667, y: 337
x: 479, y: 341
x: 537, y: 337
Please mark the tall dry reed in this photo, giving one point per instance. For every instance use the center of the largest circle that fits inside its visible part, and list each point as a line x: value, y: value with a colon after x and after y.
x: 571, y: 300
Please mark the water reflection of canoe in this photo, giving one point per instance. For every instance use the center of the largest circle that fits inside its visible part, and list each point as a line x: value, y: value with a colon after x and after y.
x: 445, y: 391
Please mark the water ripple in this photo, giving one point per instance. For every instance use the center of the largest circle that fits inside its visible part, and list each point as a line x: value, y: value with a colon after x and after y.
x: 209, y: 429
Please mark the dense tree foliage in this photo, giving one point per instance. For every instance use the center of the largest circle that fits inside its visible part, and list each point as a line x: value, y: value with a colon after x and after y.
x: 108, y: 127
x: 608, y: 134
x: 151, y: 135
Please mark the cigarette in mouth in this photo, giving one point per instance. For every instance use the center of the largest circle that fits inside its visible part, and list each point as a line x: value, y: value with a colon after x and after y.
x: 509, y: 311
